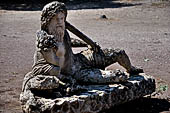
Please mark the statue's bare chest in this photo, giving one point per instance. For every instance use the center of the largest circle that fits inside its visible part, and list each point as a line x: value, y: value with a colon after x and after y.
x: 60, y: 52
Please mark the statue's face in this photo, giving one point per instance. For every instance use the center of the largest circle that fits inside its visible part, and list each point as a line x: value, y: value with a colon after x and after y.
x: 56, y: 26
x: 59, y: 19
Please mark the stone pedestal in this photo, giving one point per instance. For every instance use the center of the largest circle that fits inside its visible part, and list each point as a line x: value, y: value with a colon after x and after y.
x: 97, y: 97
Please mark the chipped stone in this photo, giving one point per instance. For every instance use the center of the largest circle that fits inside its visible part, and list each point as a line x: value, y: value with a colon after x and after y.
x: 97, y: 97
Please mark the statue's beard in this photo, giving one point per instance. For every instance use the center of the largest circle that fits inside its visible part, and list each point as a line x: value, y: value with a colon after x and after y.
x: 58, y: 33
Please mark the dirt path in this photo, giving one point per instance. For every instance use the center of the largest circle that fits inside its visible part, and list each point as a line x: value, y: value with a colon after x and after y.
x: 142, y: 28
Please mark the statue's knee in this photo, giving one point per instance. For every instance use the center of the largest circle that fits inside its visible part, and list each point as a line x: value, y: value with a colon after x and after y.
x: 114, y: 51
x: 120, y: 52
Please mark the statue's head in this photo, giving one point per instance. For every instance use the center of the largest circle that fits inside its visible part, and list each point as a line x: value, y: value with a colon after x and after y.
x: 51, y: 12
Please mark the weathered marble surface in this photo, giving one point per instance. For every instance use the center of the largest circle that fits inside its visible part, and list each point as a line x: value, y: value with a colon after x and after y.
x: 97, y: 97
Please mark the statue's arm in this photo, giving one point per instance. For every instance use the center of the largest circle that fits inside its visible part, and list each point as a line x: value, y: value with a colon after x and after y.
x: 50, y: 56
x: 48, y: 47
x: 82, y: 36
x: 44, y: 64
x: 46, y: 69
x: 46, y: 61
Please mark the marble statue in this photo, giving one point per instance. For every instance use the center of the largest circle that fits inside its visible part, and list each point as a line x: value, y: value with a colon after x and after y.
x: 57, y: 71
x: 54, y: 57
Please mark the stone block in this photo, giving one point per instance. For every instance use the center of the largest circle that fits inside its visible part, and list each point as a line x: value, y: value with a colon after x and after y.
x: 97, y: 98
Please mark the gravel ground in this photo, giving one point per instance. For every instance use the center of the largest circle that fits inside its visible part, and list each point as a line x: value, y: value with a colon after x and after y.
x: 141, y: 28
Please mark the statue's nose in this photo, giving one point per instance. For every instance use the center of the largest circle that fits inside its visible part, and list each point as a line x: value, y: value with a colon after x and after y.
x: 59, y: 21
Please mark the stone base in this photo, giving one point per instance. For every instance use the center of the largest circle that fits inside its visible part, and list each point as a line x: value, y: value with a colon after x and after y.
x: 97, y: 97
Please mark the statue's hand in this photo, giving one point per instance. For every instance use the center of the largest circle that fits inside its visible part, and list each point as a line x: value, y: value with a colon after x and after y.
x: 45, y: 41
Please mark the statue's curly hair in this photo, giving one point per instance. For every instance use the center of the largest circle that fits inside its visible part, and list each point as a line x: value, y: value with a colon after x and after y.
x: 49, y: 11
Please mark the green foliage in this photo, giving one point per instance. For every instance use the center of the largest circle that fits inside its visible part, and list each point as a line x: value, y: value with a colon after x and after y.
x: 163, y: 88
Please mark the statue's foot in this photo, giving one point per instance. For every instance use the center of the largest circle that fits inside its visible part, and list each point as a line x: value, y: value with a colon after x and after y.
x: 135, y: 70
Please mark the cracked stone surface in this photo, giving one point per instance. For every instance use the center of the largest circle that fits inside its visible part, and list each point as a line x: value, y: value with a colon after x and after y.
x: 97, y: 98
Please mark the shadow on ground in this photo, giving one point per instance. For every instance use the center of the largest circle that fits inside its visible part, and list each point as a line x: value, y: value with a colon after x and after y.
x: 142, y: 105
x: 21, y: 7
x: 70, y: 5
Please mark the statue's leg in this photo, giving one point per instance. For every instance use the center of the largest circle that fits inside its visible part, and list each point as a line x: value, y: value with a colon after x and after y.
x: 117, y: 55
x: 77, y: 43
x: 93, y: 59
x: 107, y: 57
x: 98, y: 76
x: 120, y: 56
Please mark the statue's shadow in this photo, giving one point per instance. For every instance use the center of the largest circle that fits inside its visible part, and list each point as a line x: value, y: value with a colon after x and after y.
x: 142, y: 105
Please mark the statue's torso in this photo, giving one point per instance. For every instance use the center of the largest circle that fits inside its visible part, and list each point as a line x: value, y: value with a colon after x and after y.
x: 60, y: 52
x: 68, y: 62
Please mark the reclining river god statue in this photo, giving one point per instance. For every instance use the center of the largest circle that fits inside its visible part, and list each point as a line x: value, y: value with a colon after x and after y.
x: 57, y: 72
